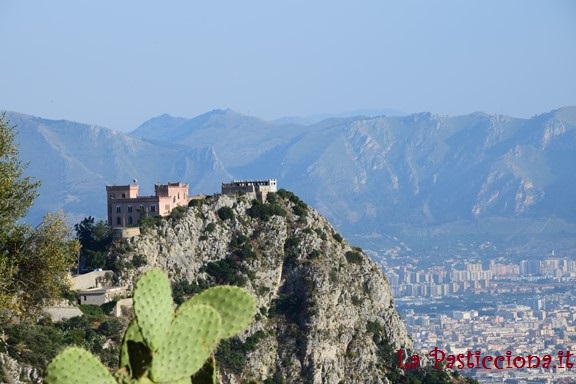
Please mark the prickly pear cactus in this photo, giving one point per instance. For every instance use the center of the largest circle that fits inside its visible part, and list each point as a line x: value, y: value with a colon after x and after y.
x: 153, y: 306
x: 235, y: 306
x: 162, y: 345
x: 77, y: 366
x: 191, y: 340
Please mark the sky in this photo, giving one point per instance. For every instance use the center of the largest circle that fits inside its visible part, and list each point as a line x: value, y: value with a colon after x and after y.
x: 119, y: 63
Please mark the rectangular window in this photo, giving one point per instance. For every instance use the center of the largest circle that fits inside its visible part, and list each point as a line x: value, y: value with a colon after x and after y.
x: 129, y: 208
x: 130, y: 220
x: 118, y: 221
x: 118, y: 209
x: 152, y: 208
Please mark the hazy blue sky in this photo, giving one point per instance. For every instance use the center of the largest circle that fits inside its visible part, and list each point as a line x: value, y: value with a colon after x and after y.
x: 119, y: 63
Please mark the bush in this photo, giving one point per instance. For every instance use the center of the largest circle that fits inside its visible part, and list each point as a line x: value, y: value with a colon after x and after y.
x: 108, y: 307
x: 139, y: 261
x: 353, y: 257
x: 226, y: 271
x: 210, y: 228
x: 182, y: 290
x: 264, y: 212
x: 272, y: 198
x: 337, y: 237
x: 314, y: 254
x: 92, y: 310
x: 178, y: 213
x: 226, y: 213
x: 238, y: 240
x: 195, y: 202
x: 232, y: 353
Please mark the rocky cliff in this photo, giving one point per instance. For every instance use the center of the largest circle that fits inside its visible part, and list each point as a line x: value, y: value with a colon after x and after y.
x: 326, y: 312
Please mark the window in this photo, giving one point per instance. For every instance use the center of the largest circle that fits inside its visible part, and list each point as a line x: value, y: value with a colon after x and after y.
x: 118, y: 221
x: 129, y: 208
x: 141, y: 208
x: 118, y: 209
x: 152, y: 208
x: 130, y: 222
x: 123, y: 195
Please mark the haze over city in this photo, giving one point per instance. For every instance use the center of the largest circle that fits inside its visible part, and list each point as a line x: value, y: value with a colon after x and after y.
x: 117, y: 64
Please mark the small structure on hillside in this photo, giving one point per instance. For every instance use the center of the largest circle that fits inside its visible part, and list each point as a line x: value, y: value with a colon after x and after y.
x: 101, y: 295
x: 126, y: 207
x: 259, y: 188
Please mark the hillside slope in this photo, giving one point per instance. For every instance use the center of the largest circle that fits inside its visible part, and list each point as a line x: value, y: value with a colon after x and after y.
x: 325, y: 310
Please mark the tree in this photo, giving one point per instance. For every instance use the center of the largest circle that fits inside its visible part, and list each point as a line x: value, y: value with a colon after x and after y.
x: 95, y: 240
x: 34, y: 262
x: 17, y: 193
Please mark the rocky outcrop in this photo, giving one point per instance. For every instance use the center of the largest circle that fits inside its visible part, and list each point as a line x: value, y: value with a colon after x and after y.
x: 13, y: 372
x: 325, y: 310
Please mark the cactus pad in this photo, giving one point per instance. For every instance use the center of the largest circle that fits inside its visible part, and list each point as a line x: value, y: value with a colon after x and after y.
x: 235, y: 305
x: 132, y: 333
x: 206, y: 374
x: 77, y: 366
x: 192, y: 337
x: 153, y: 306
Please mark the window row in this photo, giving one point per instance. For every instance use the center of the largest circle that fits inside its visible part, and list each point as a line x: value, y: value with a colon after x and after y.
x: 141, y: 208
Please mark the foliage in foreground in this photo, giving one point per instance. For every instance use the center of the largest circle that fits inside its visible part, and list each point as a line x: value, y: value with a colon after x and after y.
x: 34, y: 262
x: 162, y: 345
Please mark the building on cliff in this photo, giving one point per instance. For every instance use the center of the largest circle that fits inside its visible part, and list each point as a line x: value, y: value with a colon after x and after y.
x: 126, y: 207
x: 259, y: 188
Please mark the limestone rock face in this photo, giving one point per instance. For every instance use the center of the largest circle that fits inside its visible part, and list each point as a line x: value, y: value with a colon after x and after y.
x: 325, y: 310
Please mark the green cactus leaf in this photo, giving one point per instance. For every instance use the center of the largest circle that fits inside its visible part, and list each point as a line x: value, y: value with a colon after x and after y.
x: 77, y: 366
x: 206, y: 374
x: 235, y: 305
x: 192, y: 337
x: 132, y: 333
x: 153, y: 306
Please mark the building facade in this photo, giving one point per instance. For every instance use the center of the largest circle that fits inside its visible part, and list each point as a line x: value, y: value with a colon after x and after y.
x: 126, y: 207
x: 260, y: 188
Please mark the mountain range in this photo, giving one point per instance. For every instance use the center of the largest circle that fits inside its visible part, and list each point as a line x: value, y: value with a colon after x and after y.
x: 369, y: 175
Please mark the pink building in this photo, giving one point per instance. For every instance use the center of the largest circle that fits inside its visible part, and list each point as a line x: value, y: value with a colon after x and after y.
x: 125, y: 207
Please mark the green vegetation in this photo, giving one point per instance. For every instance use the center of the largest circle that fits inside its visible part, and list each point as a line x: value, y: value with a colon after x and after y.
x: 178, y: 212
x: 162, y: 345
x: 95, y: 241
x: 34, y: 262
x: 196, y: 202
x: 225, y: 213
x: 337, y: 237
x: 353, y: 257
x: 210, y: 228
x: 227, y: 271
x: 36, y: 343
x: 182, y: 290
x: 291, y: 249
x: 264, y: 211
x: 232, y: 353
x: 150, y: 222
